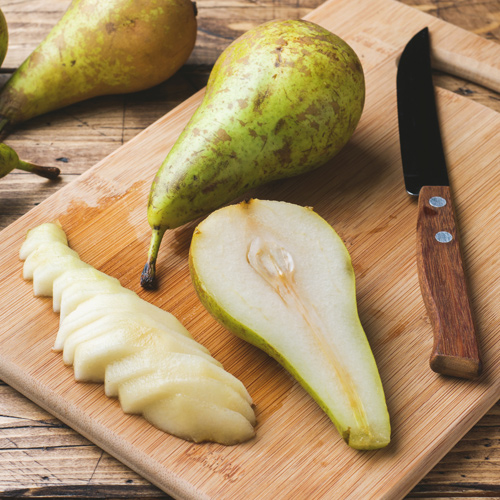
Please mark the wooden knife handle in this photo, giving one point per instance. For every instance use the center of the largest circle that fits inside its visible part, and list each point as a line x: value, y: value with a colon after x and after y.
x: 443, y: 285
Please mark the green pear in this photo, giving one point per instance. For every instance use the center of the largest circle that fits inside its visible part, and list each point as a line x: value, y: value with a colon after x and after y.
x: 278, y: 276
x: 4, y: 37
x: 281, y: 100
x: 9, y: 160
x: 100, y: 48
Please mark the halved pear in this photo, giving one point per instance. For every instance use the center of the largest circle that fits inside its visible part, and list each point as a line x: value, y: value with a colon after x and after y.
x: 44, y: 233
x: 96, y: 307
x: 148, y: 361
x: 278, y: 276
x: 92, y: 356
x: 71, y: 276
x: 138, y: 393
x: 122, y: 321
x: 198, y: 421
x: 44, y: 253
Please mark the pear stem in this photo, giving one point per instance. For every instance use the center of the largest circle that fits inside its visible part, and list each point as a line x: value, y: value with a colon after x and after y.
x: 47, y: 172
x: 148, y: 276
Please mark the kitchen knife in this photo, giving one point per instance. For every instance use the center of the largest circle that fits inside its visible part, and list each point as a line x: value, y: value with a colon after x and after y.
x: 439, y: 261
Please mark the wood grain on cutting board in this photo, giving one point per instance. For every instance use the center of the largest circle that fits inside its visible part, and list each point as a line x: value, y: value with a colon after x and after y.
x: 361, y: 193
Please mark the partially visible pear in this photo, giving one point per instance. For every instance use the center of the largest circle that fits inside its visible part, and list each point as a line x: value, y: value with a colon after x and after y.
x: 4, y: 37
x: 9, y: 160
x: 281, y: 100
x: 278, y: 276
x: 99, y: 48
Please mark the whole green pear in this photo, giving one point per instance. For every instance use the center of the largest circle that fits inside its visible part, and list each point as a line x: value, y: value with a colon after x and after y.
x: 99, y: 48
x: 281, y: 100
x: 9, y: 160
x: 4, y: 37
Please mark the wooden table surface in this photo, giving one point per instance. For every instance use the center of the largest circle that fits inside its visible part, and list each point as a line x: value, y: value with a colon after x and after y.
x: 43, y: 458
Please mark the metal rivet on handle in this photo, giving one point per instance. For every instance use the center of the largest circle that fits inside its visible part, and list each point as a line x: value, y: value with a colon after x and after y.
x: 444, y: 237
x: 437, y: 201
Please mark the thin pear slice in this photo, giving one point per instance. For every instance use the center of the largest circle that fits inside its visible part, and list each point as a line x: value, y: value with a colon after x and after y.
x: 140, y: 392
x: 46, y: 273
x: 44, y: 233
x: 77, y: 293
x: 199, y: 421
x: 92, y: 356
x: 148, y: 361
x: 133, y: 323
x: 279, y: 276
x: 72, y: 276
x: 44, y: 253
x: 96, y: 307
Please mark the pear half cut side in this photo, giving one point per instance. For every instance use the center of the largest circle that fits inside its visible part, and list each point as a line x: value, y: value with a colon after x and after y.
x: 278, y: 276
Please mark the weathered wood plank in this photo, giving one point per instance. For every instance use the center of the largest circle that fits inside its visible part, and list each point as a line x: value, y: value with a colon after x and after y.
x: 38, y: 453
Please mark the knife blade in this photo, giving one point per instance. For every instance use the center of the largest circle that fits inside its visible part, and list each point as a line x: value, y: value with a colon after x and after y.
x: 439, y: 260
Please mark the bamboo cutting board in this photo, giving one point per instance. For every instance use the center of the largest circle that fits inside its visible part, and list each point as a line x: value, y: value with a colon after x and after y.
x: 297, y: 452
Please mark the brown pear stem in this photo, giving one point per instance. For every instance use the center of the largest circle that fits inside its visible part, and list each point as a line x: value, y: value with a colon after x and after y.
x: 47, y: 172
x: 148, y: 276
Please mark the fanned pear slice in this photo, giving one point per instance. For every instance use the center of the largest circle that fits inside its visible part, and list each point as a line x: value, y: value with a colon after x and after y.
x: 43, y: 254
x: 92, y: 356
x: 69, y: 331
x: 72, y: 276
x: 278, y: 276
x: 46, y: 273
x: 44, y: 233
x: 96, y: 307
x: 148, y: 361
x: 113, y: 322
x: 105, y: 328
x: 78, y: 293
x: 199, y: 421
x: 138, y: 393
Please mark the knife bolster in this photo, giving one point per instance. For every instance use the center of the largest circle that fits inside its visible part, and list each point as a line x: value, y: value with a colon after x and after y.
x: 443, y: 285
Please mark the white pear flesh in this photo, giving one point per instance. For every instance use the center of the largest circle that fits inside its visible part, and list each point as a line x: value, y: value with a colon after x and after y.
x: 45, y: 253
x: 92, y: 356
x: 106, y: 330
x: 46, y: 273
x: 96, y: 307
x: 136, y: 394
x: 278, y: 276
x: 77, y: 293
x: 70, y: 330
x: 114, y: 322
x: 148, y: 361
x: 71, y: 276
x: 199, y: 421
x: 44, y: 233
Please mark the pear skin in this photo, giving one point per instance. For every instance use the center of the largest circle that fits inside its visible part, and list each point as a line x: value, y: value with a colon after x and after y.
x: 281, y: 100
x: 100, y: 48
x: 9, y: 160
x: 4, y: 37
